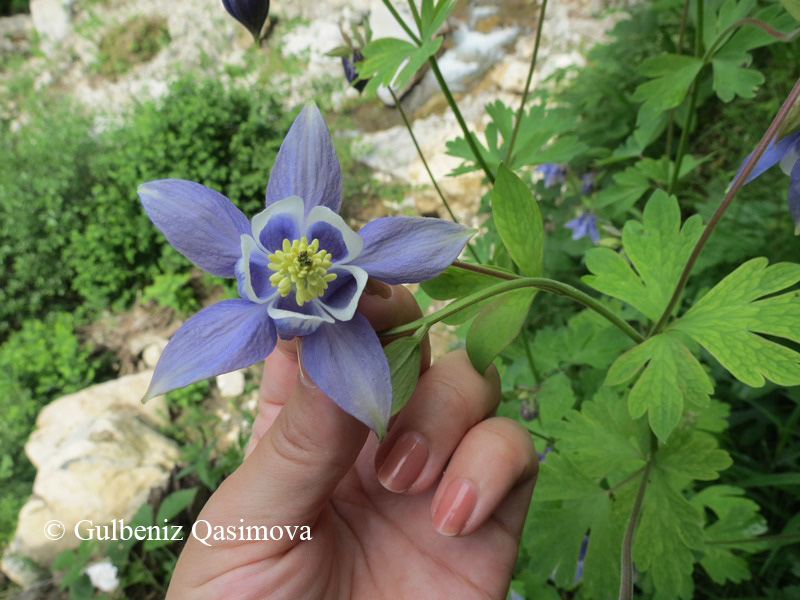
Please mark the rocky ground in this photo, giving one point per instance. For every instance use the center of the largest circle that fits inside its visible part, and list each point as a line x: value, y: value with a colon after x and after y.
x: 110, y: 437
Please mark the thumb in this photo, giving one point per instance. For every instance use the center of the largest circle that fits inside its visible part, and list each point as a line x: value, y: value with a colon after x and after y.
x: 296, y: 466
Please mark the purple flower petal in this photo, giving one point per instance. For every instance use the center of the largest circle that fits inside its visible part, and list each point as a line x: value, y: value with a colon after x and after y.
x: 584, y: 225
x: 334, y: 235
x: 794, y: 196
x: 347, y: 362
x: 282, y: 220
x: 250, y: 13
x: 226, y: 336
x: 553, y: 173
x: 341, y: 298
x: 410, y: 249
x: 772, y: 156
x: 198, y: 222
x: 306, y: 164
x: 252, y: 273
x: 292, y: 320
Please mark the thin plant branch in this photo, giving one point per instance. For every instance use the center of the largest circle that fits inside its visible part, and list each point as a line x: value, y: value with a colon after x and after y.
x: 626, y: 558
x: 521, y: 109
x: 428, y: 169
x: 737, y: 184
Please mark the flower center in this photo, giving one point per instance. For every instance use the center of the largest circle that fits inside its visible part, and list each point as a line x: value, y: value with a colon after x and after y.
x: 301, y: 267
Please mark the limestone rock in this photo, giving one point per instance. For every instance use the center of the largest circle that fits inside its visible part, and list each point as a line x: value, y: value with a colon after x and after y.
x: 231, y: 385
x: 99, y: 456
x: 15, y: 34
x: 52, y: 20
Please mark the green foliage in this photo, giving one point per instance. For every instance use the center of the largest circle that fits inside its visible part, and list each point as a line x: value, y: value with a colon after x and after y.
x: 171, y: 290
x: 518, y: 221
x: 404, y: 358
x: 383, y: 57
x: 12, y: 7
x: 726, y: 320
x: 671, y: 75
x: 544, y: 137
x: 135, y: 41
x: 657, y: 249
x: 47, y: 358
x: 496, y: 326
x: 44, y: 179
x: 672, y: 376
x: 222, y: 138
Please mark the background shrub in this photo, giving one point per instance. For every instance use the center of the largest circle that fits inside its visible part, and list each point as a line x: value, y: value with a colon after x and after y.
x: 223, y: 138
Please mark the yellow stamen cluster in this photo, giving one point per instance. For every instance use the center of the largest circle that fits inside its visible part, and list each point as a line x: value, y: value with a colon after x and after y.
x: 302, y: 267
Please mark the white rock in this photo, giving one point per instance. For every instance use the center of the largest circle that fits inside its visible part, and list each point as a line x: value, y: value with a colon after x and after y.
x: 231, y: 385
x: 103, y: 576
x: 52, y: 20
x: 152, y: 353
x: 120, y: 396
x: 96, y: 467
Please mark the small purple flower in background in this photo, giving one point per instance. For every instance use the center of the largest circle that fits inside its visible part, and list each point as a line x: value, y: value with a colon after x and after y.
x: 584, y: 225
x: 350, y: 72
x: 300, y: 271
x: 543, y: 455
x: 250, y: 13
x: 786, y: 153
x: 553, y: 173
x: 587, y: 182
x: 581, y: 559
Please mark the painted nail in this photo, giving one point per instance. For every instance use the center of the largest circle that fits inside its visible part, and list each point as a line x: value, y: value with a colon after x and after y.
x: 404, y: 463
x: 455, y: 508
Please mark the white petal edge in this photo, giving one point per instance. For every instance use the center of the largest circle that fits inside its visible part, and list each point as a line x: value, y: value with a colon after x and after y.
x: 297, y: 318
x: 346, y: 313
x: 249, y: 245
x: 352, y: 240
x: 292, y: 205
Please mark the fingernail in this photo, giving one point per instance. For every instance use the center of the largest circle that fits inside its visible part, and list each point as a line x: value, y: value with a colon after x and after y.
x: 378, y: 288
x: 455, y: 508
x: 404, y: 463
x: 305, y: 380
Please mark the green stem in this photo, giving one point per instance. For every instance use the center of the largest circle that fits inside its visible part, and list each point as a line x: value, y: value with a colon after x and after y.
x: 548, y: 285
x: 678, y: 51
x: 428, y: 169
x: 463, y: 124
x: 698, y: 52
x: 521, y: 110
x: 628, y: 479
x: 537, y: 376
x: 787, y: 537
x: 443, y: 85
x: 484, y: 270
x: 626, y: 558
x: 415, y: 14
x: 401, y: 22
x: 737, y: 184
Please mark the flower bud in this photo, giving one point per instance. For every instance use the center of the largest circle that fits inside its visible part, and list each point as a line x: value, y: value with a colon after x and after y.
x: 250, y: 13
x: 350, y: 70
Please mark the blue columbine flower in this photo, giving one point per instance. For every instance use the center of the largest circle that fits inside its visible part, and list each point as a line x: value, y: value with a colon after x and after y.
x: 584, y: 225
x: 553, y: 173
x: 250, y: 13
x: 300, y: 271
x: 785, y: 152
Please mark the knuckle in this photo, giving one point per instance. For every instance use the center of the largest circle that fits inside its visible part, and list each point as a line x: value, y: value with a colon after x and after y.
x: 510, y: 442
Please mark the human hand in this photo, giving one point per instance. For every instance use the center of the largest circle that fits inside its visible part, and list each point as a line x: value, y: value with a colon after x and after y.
x: 385, y: 521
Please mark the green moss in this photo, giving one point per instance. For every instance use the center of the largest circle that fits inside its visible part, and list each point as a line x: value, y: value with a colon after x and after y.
x: 136, y: 41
